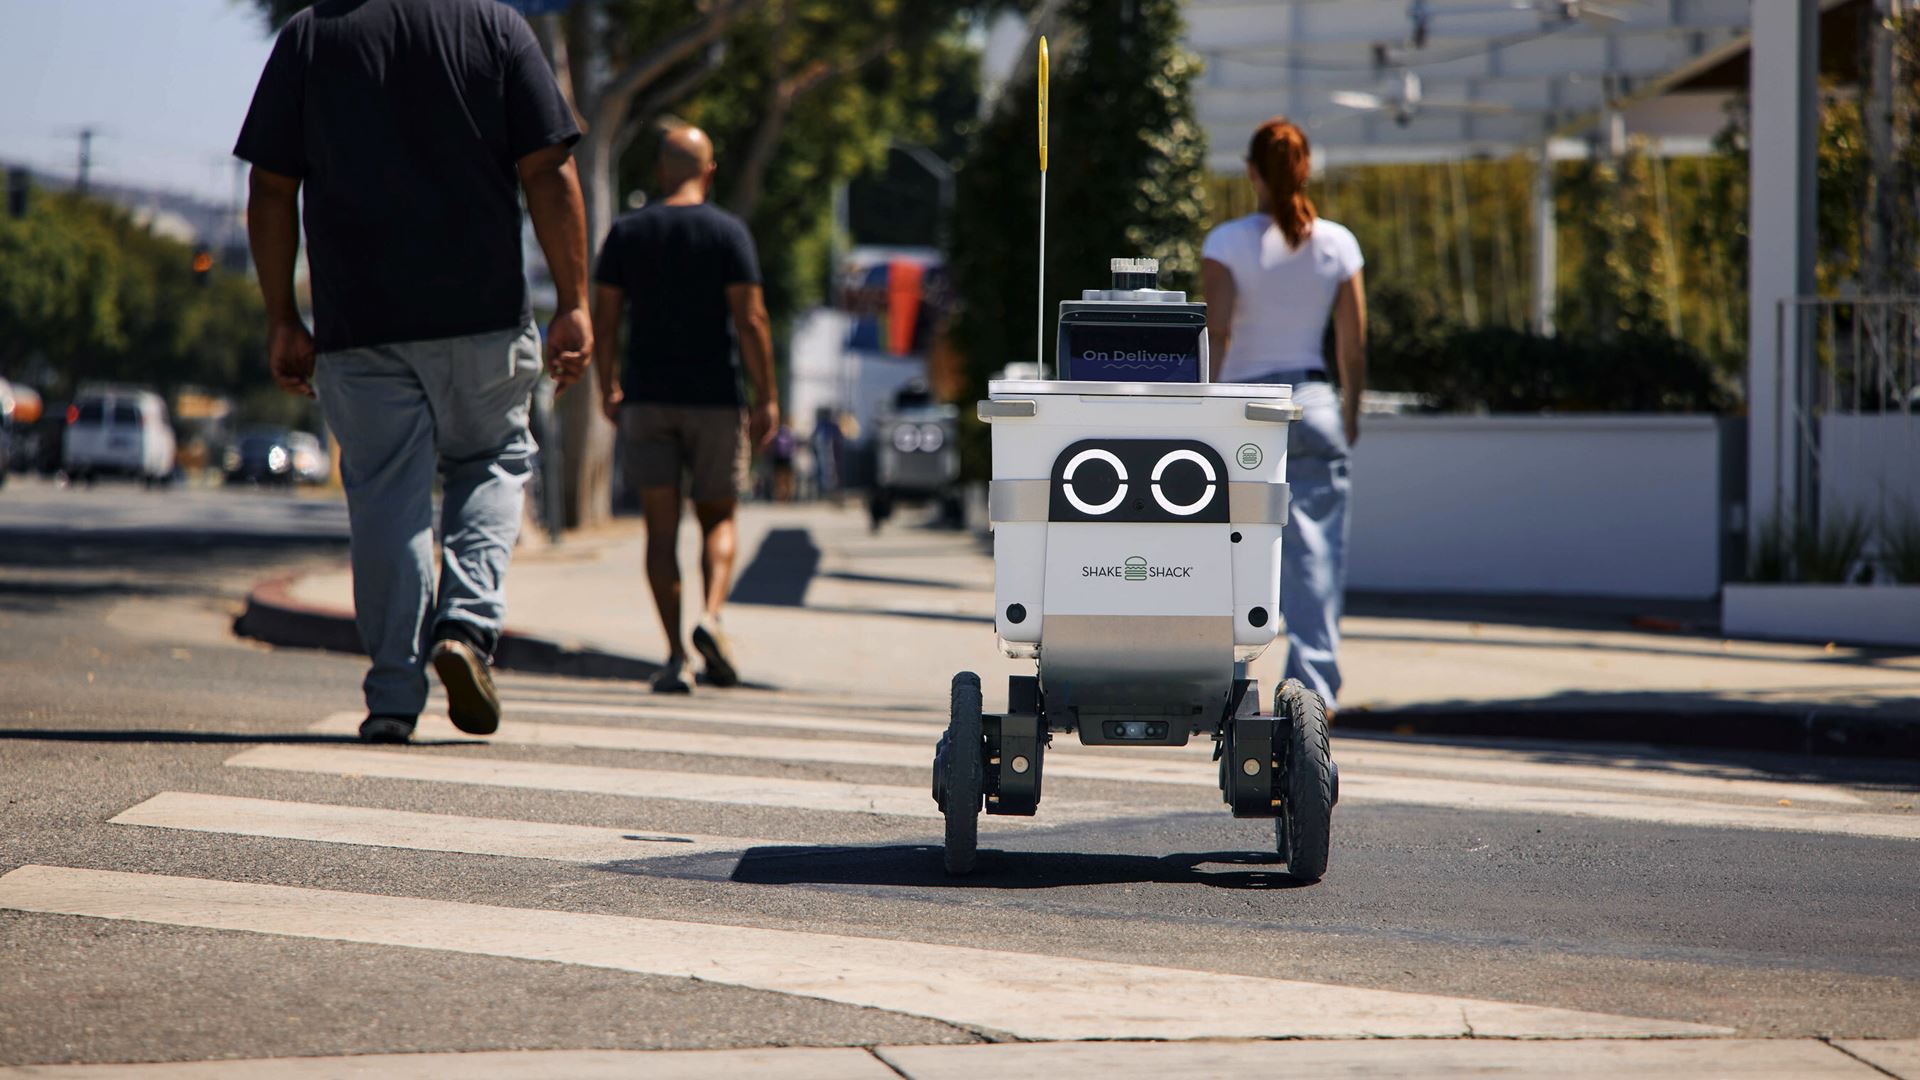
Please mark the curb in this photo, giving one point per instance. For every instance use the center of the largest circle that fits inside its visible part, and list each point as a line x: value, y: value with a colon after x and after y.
x: 1814, y: 732
x: 274, y: 617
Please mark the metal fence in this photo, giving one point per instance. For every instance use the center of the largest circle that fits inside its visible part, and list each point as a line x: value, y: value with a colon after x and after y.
x: 1847, y: 463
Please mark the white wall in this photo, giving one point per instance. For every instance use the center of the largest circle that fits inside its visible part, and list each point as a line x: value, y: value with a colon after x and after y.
x: 1591, y: 505
x: 1870, y: 464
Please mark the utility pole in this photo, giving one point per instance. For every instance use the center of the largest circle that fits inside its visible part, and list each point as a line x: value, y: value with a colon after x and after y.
x: 86, y: 158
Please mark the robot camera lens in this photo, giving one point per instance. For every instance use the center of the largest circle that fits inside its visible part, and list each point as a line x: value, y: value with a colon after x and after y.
x: 1258, y: 616
x: 1016, y: 613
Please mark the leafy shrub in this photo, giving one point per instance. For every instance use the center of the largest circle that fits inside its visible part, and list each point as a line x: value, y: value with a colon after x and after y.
x: 1900, y: 547
x: 1826, y: 555
x: 1415, y: 347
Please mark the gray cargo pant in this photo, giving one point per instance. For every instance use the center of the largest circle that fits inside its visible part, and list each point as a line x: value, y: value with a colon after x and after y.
x: 402, y: 413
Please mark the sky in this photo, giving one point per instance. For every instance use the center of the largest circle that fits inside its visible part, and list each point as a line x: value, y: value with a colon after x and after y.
x: 165, y: 82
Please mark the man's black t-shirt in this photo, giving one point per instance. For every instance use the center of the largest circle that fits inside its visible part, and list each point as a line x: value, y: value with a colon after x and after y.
x: 674, y: 263
x: 404, y: 120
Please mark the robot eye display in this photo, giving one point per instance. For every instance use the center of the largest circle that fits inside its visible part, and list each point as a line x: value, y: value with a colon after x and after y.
x: 906, y: 438
x: 1138, y: 480
x: 931, y: 437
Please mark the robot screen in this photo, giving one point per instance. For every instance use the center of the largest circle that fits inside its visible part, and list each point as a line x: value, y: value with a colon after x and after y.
x: 1136, y: 353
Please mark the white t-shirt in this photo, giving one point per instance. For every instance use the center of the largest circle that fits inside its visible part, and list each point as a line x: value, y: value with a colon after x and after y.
x: 1284, y: 296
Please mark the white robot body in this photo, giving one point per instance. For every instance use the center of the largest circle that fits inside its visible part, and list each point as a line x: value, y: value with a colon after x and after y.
x: 1137, y: 544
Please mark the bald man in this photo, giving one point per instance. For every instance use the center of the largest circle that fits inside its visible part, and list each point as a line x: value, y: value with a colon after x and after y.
x: 687, y: 276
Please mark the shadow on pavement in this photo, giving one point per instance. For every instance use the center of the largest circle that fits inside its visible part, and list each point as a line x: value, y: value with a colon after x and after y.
x: 780, y: 571
x: 919, y: 866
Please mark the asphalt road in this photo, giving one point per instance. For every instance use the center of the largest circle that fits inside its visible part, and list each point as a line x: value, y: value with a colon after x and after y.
x: 729, y: 871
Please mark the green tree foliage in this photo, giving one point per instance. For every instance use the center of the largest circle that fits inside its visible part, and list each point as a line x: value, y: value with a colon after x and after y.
x: 1126, y: 178
x: 95, y: 295
x: 811, y: 96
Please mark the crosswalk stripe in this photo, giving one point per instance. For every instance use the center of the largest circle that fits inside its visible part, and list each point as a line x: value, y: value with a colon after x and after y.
x: 1445, y: 761
x: 1442, y: 761
x: 828, y: 795
x: 1023, y: 995
x: 804, y: 722
x: 1620, y: 806
x: 1068, y: 761
x: 332, y: 824
x: 1071, y: 762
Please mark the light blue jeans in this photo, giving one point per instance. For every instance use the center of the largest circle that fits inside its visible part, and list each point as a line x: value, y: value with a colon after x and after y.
x: 456, y: 408
x: 1313, y: 546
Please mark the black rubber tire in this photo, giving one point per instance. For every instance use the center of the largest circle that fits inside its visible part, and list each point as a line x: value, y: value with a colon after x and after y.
x: 966, y: 774
x: 1304, y: 834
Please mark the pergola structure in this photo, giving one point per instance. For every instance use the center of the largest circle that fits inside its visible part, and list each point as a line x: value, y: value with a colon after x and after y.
x: 1378, y: 81
x: 1397, y: 81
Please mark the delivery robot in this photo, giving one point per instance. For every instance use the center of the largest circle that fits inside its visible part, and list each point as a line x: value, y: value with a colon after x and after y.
x: 1137, y: 511
x: 916, y: 456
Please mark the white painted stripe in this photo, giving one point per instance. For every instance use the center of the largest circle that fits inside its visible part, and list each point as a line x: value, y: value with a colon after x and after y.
x: 1652, y: 809
x: 1067, y: 760
x: 332, y: 824
x: 1424, y: 1059
x: 1025, y: 996
x: 350, y: 722
x: 1433, y: 760
x: 789, y: 1063
x: 1183, y: 770
x: 1513, y: 765
x: 731, y: 788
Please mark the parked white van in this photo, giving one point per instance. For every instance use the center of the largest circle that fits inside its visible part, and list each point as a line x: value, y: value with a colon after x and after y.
x: 117, y: 431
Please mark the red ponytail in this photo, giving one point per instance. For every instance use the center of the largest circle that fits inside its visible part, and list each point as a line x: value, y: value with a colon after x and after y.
x: 1279, y: 151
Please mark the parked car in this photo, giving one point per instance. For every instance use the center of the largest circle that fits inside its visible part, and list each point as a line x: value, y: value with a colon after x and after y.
x: 118, y: 431
x: 276, y: 456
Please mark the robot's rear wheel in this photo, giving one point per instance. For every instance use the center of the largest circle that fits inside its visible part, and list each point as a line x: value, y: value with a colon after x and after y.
x: 960, y: 773
x: 1304, y: 833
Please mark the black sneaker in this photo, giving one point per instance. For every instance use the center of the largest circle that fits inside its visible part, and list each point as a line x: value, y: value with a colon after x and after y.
x: 386, y: 729
x: 472, y: 703
x: 714, y: 648
x: 674, y: 678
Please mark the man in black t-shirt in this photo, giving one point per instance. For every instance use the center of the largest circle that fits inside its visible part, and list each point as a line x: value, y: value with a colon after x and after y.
x: 690, y: 282
x: 412, y: 127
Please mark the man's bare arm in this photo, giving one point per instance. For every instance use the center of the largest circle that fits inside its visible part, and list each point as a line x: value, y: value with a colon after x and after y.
x: 1222, y: 295
x: 552, y: 184
x: 755, y: 331
x: 608, y: 304
x: 1350, y: 348
x: 273, y: 231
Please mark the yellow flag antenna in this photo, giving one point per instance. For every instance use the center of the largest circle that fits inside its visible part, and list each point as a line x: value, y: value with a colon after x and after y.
x: 1040, y: 343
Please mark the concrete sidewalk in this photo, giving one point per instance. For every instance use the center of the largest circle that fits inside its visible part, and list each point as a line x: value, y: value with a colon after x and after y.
x: 1459, y: 1059
x: 821, y: 604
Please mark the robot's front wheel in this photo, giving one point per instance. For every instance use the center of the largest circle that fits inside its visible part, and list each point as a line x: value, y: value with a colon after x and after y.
x: 1304, y: 833
x: 960, y: 773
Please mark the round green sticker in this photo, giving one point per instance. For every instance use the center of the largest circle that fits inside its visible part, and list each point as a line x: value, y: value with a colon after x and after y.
x: 1249, y: 456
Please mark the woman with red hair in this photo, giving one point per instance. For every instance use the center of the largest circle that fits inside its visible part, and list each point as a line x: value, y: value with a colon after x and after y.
x: 1273, y: 279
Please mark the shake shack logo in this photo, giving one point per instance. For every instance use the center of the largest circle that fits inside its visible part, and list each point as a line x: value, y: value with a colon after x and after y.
x: 1136, y: 569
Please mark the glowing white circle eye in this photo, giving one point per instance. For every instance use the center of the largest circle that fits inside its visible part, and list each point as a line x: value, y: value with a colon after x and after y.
x: 1206, y: 496
x: 906, y: 438
x: 932, y: 438
x: 1119, y: 491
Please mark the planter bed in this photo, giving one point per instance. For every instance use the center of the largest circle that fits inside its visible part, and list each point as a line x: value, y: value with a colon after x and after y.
x: 1855, y: 614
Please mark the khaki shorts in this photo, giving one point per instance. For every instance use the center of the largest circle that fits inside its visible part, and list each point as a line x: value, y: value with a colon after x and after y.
x: 662, y: 444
